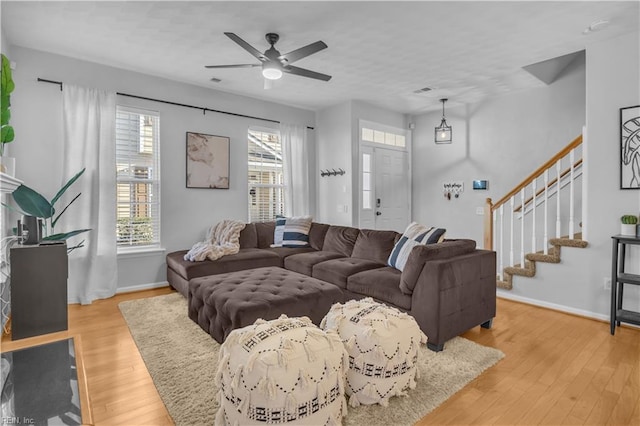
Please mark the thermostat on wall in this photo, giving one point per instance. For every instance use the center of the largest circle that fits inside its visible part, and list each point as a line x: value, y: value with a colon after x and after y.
x: 481, y: 184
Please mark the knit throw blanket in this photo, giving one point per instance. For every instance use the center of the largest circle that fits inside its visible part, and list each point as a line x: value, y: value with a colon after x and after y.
x: 222, y: 239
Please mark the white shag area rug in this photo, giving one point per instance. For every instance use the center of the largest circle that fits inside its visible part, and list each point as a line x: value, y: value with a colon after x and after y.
x: 182, y: 360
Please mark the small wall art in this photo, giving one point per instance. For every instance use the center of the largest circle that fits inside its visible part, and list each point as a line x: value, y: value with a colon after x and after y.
x: 207, y: 161
x: 630, y: 147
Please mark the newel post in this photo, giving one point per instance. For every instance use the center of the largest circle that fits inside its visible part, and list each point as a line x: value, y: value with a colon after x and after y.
x: 488, y: 225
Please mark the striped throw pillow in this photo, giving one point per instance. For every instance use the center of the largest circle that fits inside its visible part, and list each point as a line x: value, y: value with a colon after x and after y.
x: 414, y: 235
x: 296, y: 231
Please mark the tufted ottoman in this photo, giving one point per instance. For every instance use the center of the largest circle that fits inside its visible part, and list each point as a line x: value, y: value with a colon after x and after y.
x: 222, y: 303
x: 281, y: 371
x: 382, y: 343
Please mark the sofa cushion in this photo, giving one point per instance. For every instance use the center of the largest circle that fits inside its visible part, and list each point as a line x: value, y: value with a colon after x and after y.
x: 303, y: 262
x: 248, y: 236
x: 264, y: 232
x: 414, y: 235
x: 244, y: 259
x: 340, y: 239
x: 374, y: 245
x: 337, y: 271
x: 381, y: 284
x: 424, y: 253
x: 284, y: 252
x: 316, y: 235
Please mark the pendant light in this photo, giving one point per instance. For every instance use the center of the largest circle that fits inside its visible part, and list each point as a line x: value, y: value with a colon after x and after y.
x: 443, y: 131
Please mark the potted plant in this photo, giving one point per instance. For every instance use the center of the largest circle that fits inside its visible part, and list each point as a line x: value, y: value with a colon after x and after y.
x: 31, y: 203
x: 628, y: 224
x: 7, y: 164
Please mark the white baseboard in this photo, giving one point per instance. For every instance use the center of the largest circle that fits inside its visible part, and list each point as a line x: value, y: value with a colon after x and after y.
x: 555, y: 307
x: 140, y: 287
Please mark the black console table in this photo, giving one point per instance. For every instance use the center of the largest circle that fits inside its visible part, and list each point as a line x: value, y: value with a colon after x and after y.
x: 619, y: 278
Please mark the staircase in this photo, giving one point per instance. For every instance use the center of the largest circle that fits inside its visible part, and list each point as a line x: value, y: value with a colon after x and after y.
x: 522, y: 218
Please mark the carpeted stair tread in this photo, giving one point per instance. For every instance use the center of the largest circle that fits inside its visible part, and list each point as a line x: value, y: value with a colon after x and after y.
x: 529, y: 269
x: 505, y: 285
x: 541, y: 257
x: 568, y: 242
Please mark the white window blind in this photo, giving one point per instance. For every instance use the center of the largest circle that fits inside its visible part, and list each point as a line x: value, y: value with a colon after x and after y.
x: 266, y: 176
x: 138, y: 178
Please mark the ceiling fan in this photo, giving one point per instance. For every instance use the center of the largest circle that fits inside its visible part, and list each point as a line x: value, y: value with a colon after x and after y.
x: 274, y: 63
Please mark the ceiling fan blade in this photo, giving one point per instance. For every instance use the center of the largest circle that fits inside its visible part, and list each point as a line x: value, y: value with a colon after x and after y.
x: 234, y: 66
x: 306, y: 73
x: 246, y: 46
x: 303, y: 52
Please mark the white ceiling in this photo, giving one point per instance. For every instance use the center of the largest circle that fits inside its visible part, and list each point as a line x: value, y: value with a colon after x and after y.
x: 379, y: 52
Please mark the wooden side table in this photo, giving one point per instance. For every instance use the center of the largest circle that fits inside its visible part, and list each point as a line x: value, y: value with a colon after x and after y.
x: 619, y: 278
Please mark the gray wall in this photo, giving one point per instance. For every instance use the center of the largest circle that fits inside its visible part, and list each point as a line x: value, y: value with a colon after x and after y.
x: 186, y: 213
x: 338, y: 146
x: 502, y: 140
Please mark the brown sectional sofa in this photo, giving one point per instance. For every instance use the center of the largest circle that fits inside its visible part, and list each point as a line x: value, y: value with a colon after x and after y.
x: 448, y: 287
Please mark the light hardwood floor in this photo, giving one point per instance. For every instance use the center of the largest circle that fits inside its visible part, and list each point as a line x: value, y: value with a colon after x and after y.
x: 558, y: 369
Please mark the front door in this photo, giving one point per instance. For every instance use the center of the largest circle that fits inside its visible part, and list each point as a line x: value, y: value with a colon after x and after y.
x: 384, y: 189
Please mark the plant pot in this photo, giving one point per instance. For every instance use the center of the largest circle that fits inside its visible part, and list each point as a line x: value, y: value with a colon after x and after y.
x: 628, y: 229
x: 8, y: 166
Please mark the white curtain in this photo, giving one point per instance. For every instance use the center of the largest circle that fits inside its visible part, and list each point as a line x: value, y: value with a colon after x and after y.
x: 296, y: 169
x: 89, y: 142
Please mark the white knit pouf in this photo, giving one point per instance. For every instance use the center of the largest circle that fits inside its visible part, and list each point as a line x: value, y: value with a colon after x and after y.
x: 282, y: 371
x: 382, y: 343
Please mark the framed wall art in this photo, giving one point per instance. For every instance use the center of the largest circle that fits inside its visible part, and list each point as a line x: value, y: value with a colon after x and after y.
x: 207, y: 161
x: 630, y: 147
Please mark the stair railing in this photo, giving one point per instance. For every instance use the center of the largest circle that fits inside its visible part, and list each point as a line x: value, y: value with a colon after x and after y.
x: 526, y: 194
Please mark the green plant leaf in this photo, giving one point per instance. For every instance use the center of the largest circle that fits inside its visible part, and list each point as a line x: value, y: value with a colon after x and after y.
x: 5, y: 117
x: 65, y: 235
x: 32, y: 203
x: 53, y: 223
x: 67, y: 185
x: 7, y: 134
x: 7, y: 79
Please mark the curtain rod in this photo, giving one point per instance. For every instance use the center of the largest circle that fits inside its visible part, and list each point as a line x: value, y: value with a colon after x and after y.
x: 203, y: 109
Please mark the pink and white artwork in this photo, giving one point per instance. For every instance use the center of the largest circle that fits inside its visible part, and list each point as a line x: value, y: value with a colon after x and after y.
x: 207, y: 161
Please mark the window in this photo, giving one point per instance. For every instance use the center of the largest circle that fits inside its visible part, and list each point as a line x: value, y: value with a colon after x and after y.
x: 137, y: 178
x: 385, y: 138
x: 366, y: 181
x: 266, y: 176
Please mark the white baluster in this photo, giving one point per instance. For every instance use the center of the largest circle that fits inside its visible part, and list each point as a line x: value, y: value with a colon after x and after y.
x: 501, y: 239
x: 533, y: 216
x: 558, y: 187
x: 546, y: 199
x: 495, y: 233
x: 571, y: 207
x: 522, y: 228
x: 513, y: 199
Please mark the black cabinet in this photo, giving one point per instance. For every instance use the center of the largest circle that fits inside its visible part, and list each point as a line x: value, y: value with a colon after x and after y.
x: 38, y: 289
x: 618, y: 280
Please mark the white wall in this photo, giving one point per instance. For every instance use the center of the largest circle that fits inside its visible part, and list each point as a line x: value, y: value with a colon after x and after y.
x: 338, y: 147
x: 186, y: 213
x: 501, y: 140
x: 333, y: 152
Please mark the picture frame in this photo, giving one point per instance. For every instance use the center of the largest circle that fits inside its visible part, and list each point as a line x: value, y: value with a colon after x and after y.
x: 630, y: 147
x: 207, y: 161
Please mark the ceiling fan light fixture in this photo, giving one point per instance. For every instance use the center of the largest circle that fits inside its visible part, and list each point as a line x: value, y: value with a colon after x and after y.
x: 271, y: 71
x: 443, y: 132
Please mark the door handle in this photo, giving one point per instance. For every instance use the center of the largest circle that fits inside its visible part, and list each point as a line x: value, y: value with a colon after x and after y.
x: 377, y: 202
x: 378, y: 213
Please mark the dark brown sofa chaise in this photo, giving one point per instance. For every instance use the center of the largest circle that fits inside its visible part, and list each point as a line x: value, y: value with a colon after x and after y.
x: 448, y: 287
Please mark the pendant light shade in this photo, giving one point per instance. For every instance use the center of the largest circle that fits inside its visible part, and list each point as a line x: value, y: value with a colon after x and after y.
x: 443, y: 131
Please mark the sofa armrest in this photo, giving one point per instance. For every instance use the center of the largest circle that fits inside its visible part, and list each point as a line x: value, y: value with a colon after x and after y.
x: 420, y: 254
x: 455, y: 294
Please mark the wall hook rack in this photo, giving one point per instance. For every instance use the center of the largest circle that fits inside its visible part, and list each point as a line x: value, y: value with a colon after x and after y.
x: 332, y: 172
